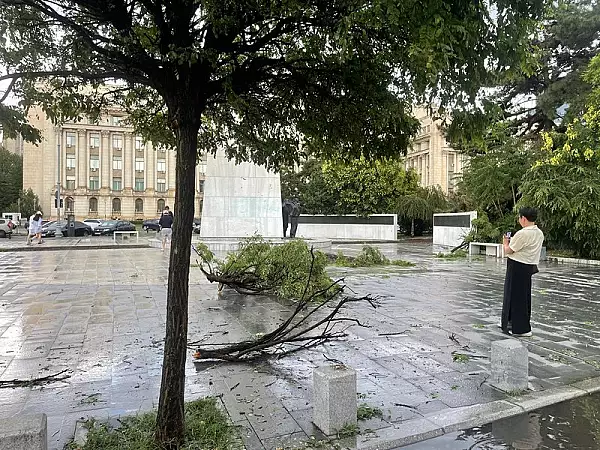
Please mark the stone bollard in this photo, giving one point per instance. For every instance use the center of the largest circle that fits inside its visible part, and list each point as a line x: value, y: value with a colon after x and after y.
x: 24, y: 433
x: 510, y: 365
x: 334, y: 398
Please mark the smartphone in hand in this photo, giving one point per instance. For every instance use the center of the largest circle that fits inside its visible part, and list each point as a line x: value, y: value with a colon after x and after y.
x: 508, y: 234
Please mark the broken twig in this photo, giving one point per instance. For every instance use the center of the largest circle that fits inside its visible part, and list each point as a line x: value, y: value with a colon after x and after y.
x: 35, y: 381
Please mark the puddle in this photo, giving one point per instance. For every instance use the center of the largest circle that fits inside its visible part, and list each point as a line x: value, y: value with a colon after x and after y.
x: 572, y: 425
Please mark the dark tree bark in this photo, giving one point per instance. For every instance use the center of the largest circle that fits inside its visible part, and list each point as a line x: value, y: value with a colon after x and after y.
x: 170, y: 424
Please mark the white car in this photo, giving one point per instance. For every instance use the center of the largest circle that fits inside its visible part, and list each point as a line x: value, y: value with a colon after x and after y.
x: 93, y: 223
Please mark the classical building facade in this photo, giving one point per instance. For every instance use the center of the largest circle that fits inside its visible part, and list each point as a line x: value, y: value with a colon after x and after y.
x: 431, y: 157
x: 104, y: 170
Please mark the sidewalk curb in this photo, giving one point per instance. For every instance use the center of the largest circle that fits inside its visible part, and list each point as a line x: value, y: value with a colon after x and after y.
x: 42, y: 248
x: 455, y: 419
x: 574, y: 261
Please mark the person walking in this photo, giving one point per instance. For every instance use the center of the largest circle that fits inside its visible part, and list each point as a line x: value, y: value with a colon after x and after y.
x: 166, y: 223
x: 35, y: 228
x: 523, y: 255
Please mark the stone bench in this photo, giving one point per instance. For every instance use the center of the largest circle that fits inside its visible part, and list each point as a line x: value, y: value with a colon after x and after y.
x: 491, y: 249
x: 24, y: 433
x: 126, y: 233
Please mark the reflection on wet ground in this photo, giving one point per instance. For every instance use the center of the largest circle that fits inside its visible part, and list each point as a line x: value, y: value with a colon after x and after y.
x: 572, y: 425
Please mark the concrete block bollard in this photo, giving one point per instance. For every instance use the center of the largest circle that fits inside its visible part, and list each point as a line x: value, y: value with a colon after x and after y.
x: 334, y: 398
x: 24, y: 433
x: 510, y: 365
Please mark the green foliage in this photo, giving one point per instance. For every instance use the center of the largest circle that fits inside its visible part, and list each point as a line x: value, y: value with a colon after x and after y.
x: 368, y: 257
x: 486, y: 231
x: 565, y: 183
x: 458, y: 254
x: 11, y: 179
x: 422, y: 203
x: 356, y: 186
x: 206, y: 427
x: 27, y: 205
x: 348, y: 430
x: 491, y: 180
x: 366, y: 412
x: 282, y: 270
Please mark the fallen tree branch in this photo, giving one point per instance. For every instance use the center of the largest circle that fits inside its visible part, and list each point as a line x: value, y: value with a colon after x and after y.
x: 308, y: 326
x: 35, y: 381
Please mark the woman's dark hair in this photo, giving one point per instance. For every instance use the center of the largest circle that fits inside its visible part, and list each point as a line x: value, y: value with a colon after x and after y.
x: 529, y: 213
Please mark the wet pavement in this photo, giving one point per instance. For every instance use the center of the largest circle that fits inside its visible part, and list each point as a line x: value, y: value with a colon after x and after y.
x: 19, y: 242
x: 100, y: 314
x: 572, y: 425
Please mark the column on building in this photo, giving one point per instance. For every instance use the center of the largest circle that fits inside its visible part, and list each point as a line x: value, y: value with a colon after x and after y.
x: 171, y: 164
x: 105, y: 160
x: 150, y: 172
x: 81, y: 155
x: 63, y: 159
x: 128, y: 163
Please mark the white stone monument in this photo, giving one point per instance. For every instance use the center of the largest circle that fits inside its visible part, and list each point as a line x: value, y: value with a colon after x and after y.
x: 240, y: 200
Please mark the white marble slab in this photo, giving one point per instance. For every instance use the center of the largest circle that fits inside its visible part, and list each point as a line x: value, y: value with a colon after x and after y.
x: 240, y: 200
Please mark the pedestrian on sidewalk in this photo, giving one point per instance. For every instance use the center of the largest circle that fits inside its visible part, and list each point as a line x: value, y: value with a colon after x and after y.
x: 166, y: 223
x: 523, y: 255
x: 35, y: 228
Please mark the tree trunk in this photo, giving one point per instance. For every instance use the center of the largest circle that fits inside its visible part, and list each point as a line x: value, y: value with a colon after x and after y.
x: 170, y: 420
x: 412, y: 228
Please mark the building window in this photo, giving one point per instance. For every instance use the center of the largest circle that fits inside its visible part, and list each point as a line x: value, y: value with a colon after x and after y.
x: 116, y: 185
x: 94, y: 162
x: 70, y: 183
x: 117, y: 163
x: 201, y: 186
x: 139, y: 164
x: 95, y: 141
x: 139, y: 205
x: 139, y: 184
x: 161, y: 165
x: 117, y: 121
x: 116, y: 205
x: 70, y: 161
x: 161, y: 148
x: 94, y: 183
x: 161, y: 185
x: 139, y: 143
x: 71, y: 140
x: 94, y: 205
x: 160, y: 205
x: 69, y: 204
x: 117, y: 142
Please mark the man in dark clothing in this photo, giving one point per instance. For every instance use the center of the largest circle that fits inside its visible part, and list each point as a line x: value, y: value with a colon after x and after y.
x: 294, y: 214
x: 286, y: 210
x: 166, y: 223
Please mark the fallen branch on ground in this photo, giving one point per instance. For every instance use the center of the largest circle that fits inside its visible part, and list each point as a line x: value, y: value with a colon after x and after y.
x: 35, y: 381
x: 303, y: 329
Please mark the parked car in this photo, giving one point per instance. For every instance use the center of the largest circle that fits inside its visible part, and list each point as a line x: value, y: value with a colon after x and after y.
x: 94, y: 223
x: 110, y: 226
x: 6, y: 228
x: 81, y: 229
x: 51, y: 228
x: 197, y: 226
x: 151, y: 224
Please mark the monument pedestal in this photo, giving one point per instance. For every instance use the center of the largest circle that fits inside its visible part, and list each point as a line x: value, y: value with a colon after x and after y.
x: 240, y: 200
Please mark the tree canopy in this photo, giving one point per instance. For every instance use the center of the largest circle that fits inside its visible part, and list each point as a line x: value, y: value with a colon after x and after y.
x: 264, y: 80
x: 11, y: 179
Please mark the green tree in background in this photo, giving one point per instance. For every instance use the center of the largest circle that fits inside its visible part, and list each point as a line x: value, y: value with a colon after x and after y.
x: 367, y: 187
x: 421, y: 204
x: 11, y: 179
x: 565, y: 183
x: 349, y: 187
x: 27, y: 204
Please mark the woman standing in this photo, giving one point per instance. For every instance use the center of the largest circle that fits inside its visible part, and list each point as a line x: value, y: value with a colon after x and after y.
x: 523, y: 255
